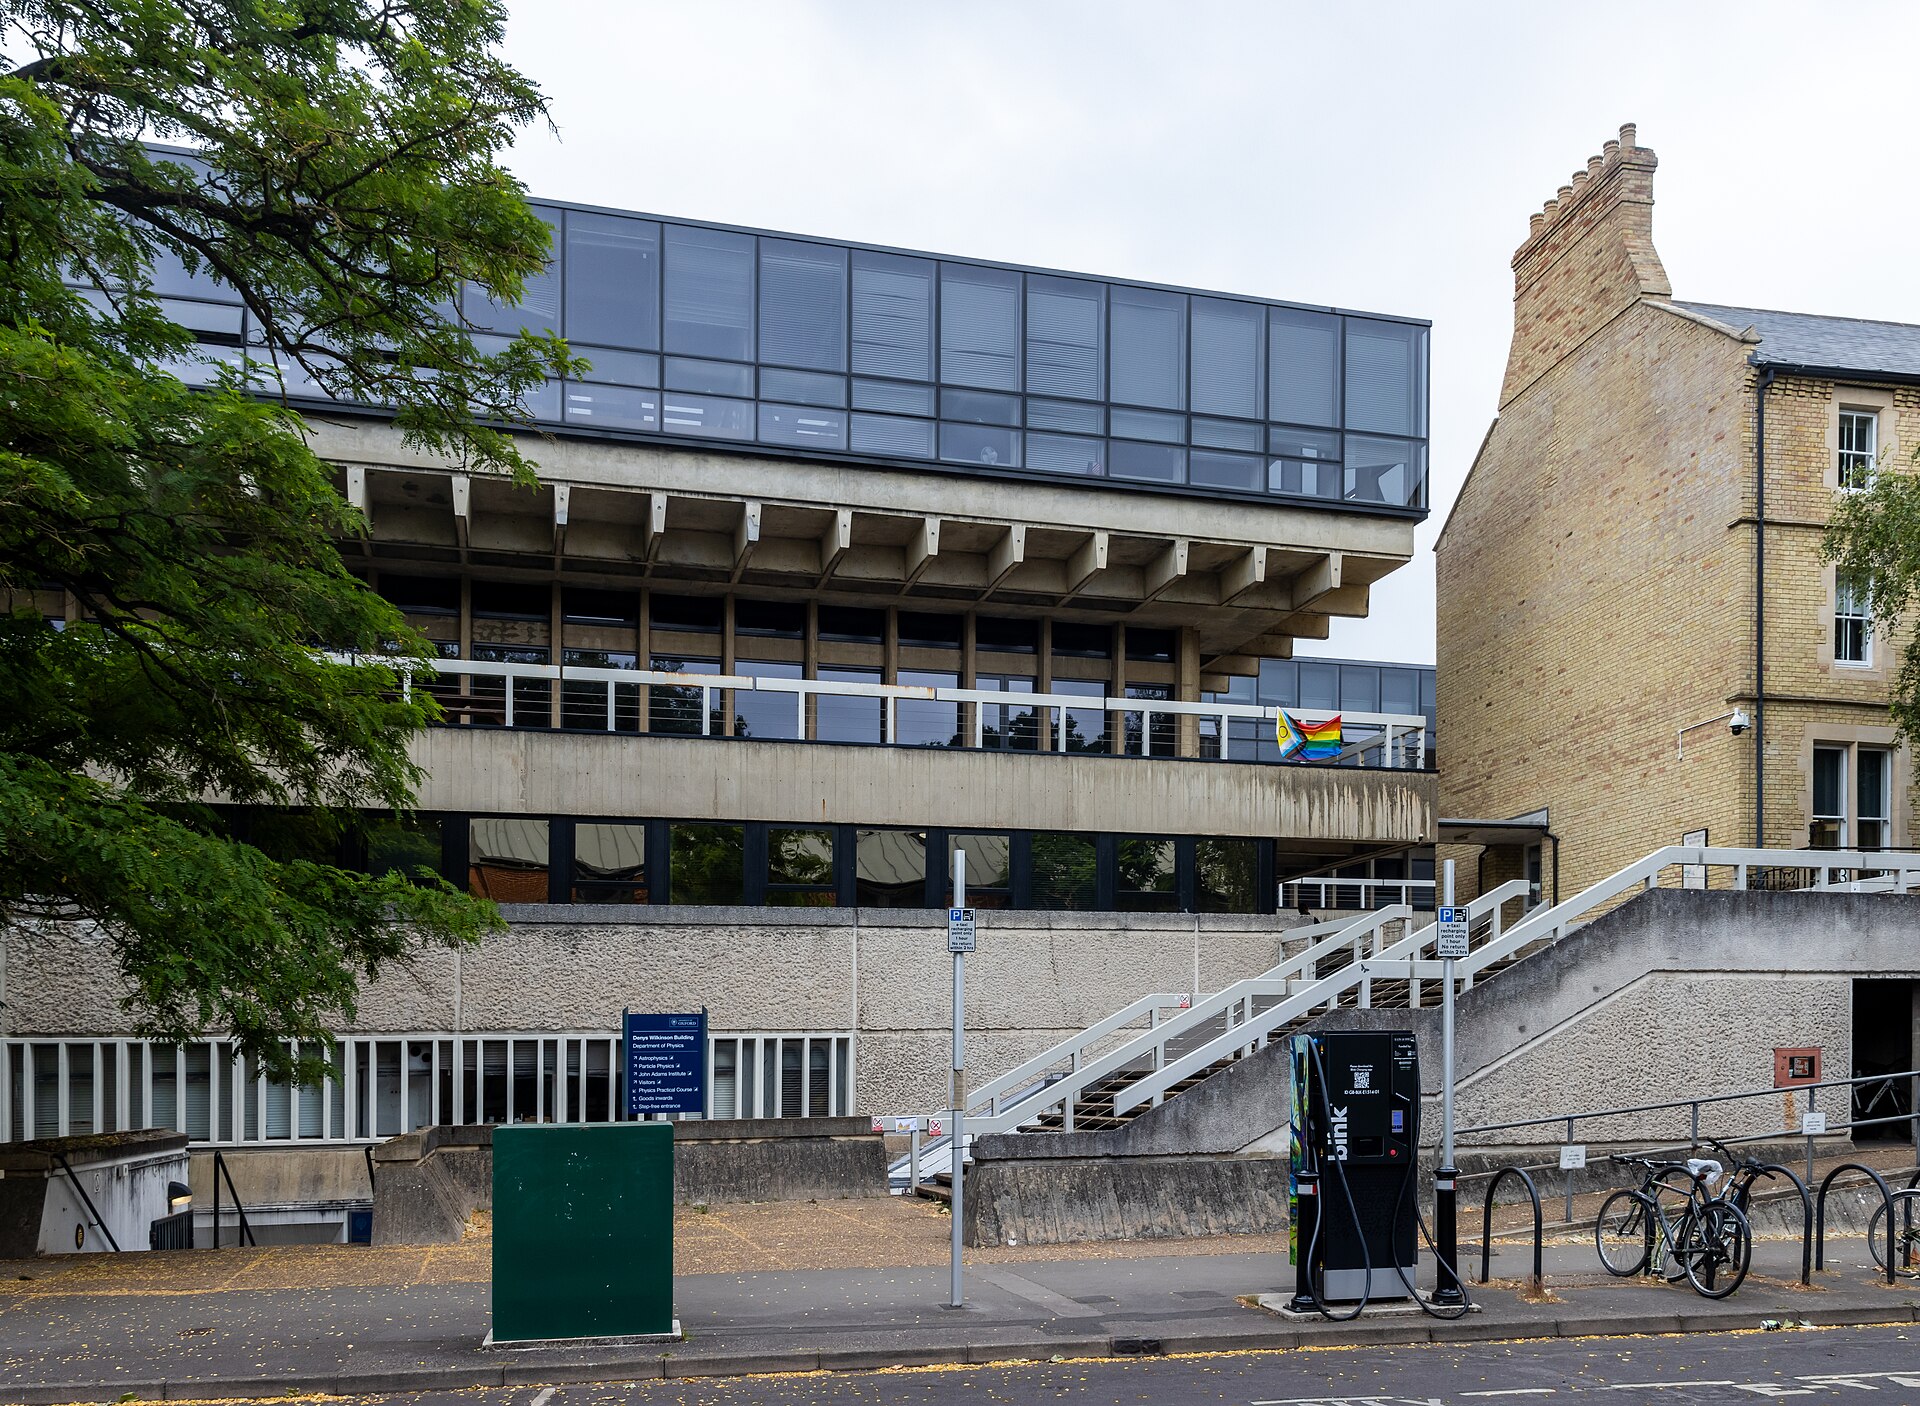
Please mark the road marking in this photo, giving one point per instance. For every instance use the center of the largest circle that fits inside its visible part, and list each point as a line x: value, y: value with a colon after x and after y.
x: 1650, y: 1386
x: 546, y: 1395
x: 1516, y: 1391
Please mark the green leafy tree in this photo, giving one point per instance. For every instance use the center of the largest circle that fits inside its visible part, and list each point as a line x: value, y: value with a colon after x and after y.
x: 343, y: 181
x: 1873, y: 537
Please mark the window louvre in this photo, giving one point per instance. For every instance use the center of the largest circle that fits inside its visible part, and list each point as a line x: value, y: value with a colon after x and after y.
x: 1149, y: 331
x: 980, y: 327
x: 709, y: 300
x: 1064, y: 343
x: 1228, y: 370
x: 893, y: 316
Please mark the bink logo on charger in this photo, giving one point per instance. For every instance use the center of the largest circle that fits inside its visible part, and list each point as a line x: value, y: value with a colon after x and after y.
x: 1339, y: 1120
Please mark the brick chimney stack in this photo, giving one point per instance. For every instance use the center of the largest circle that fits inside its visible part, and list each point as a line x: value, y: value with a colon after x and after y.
x: 1588, y: 255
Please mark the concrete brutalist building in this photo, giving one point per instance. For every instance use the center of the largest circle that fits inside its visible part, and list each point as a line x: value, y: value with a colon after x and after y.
x: 842, y: 558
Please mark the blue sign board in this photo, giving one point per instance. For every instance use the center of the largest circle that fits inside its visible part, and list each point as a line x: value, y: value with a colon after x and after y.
x: 666, y: 1063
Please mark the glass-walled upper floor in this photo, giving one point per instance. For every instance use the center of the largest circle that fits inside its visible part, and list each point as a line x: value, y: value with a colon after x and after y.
x: 727, y: 336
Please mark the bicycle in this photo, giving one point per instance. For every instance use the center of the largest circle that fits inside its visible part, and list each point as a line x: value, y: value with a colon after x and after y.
x: 1710, y: 1241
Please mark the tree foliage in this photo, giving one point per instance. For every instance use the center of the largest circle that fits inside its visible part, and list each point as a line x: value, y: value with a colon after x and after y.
x: 1873, y: 536
x: 335, y: 164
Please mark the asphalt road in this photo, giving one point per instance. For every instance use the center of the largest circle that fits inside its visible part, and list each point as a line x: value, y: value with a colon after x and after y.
x: 1808, y: 1364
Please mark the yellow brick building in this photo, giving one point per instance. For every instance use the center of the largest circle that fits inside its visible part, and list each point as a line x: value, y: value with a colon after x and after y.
x: 1635, y: 556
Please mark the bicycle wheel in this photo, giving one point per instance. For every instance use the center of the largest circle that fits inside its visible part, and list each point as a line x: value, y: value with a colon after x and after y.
x: 1620, y: 1233
x: 1719, y: 1248
x: 1906, y: 1237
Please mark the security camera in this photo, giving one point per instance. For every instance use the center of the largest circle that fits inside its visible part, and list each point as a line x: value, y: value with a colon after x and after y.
x: 1739, y: 722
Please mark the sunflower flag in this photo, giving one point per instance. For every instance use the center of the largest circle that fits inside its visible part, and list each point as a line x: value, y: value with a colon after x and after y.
x: 1309, y: 742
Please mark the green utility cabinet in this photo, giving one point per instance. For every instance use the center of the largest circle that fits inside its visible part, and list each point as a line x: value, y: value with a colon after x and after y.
x: 582, y: 1231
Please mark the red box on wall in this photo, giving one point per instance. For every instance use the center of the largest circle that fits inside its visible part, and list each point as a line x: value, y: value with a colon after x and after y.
x: 1800, y: 1065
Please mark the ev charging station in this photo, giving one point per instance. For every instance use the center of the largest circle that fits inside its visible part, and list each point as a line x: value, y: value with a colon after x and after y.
x: 1355, y: 1149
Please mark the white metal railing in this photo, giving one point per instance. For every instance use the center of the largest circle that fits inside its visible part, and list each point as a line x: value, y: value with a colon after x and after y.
x: 380, y: 1086
x: 1327, y: 892
x: 1396, y: 740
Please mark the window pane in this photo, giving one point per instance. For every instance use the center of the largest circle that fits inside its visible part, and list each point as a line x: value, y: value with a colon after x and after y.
x: 539, y: 307
x: 619, y: 368
x: 1227, y: 875
x: 507, y: 859
x: 1086, y: 727
x: 1873, y: 795
x: 675, y: 708
x: 1145, y: 424
x: 894, y: 396
x: 1242, y: 472
x: 1066, y: 351
x: 612, y: 407
x: 1229, y: 434
x: 1144, y: 882
x: 980, y: 444
x: 980, y: 407
x: 843, y: 717
x: 989, y: 872
x: 613, y: 280
x: 1153, y: 463
x: 583, y: 703
x: 803, y: 304
x: 800, y: 868
x: 1066, y: 454
x: 927, y: 722
x: 806, y: 426
x: 709, y: 299
x: 1829, y: 782
x: 884, y: 434
x: 980, y: 327
x: 715, y: 377
x: 1390, y: 471
x: 1149, y: 333
x: 409, y: 846
x: 1386, y: 377
x: 1306, y: 464
x: 707, y: 416
x: 707, y: 864
x: 805, y: 387
x: 890, y: 868
x: 1012, y: 725
x: 1303, y: 360
x: 609, y: 863
x: 770, y: 714
x: 1066, y: 415
x: 893, y: 316
x: 1229, y: 370
x: 1063, y: 871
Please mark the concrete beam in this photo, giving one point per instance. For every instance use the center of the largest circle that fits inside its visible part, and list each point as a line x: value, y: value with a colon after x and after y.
x: 1007, y: 554
x: 1317, y: 580
x: 653, y: 528
x: 562, y: 498
x: 1088, y: 560
x: 1164, y: 570
x: 746, y: 536
x: 835, y: 542
x: 462, y: 487
x: 924, y: 547
x: 1242, y: 575
x: 357, y: 491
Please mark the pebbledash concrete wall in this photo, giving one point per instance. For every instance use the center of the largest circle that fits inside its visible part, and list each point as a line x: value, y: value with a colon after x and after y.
x: 1674, y: 995
x: 884, y: 975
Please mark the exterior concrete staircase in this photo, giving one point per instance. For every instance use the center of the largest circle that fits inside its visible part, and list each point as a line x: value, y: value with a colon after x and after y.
x: 1108, y: 1075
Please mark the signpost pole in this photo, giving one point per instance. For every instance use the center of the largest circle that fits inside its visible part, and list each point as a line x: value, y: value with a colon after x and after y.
x: 958, y: 1146
x: 1446, y: 1249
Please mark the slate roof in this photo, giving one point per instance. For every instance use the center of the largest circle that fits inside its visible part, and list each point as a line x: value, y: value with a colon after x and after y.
x: 1831, y: 343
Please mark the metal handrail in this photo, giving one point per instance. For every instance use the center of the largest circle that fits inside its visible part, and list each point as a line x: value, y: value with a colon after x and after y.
x: 1381, y: 731
x: 1703, y: 1099
x: 1399, y: 960
x: 219, y: 1171
x: 86, y: 1200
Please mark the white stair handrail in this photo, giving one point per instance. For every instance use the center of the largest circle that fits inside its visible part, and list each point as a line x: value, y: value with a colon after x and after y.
x: 1063, y: 1092
x: 1294, y: 1004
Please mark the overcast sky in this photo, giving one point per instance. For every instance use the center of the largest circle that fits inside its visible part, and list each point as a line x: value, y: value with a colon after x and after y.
x: 1382, y: 157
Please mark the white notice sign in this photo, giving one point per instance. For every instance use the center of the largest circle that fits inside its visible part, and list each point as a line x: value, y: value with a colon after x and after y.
x: 1453, y: 933
x: 960, y: 930
x: 1573, y: 1156
x: 1813, y: 1124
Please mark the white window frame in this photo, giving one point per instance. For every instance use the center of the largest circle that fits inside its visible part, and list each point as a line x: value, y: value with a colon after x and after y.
x: 1852, y: 623
x: 1854, y: 465
x: 1883, y: 822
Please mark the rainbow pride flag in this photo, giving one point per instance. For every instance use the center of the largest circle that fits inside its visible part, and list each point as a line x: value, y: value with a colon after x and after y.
x: 1308, y: 742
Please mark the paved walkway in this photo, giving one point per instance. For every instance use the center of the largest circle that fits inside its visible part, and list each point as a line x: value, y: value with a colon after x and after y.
x: 348, y: 1320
